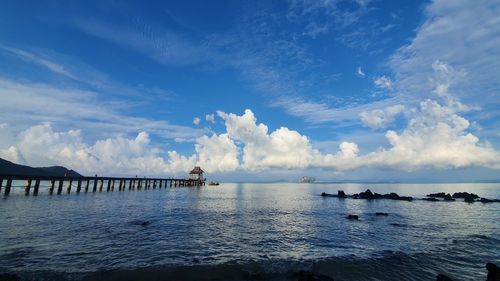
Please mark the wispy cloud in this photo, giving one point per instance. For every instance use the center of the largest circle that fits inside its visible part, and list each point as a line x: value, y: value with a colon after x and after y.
x: 160, y: 44
x: 24, y: 103
x: 46, y: 63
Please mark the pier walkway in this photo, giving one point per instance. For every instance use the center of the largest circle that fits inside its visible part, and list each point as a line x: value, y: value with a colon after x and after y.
x: 90, y: 184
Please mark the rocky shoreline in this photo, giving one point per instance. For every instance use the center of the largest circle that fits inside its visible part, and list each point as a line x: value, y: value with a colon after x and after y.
x: 433, y: 197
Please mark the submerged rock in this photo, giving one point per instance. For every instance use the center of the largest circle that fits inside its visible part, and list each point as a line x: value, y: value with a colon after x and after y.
x: 493, y: 272
x: 352, y: 217
x: 431, y: 199
x: 9, y: 277
x: 304, y: 275
x: 324, y: 194
x: 381, y: 214
x: 486, y: 200
x: 140, y: 222
x: 442, y: 277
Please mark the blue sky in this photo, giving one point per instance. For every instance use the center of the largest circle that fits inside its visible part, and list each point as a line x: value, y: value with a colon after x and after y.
x: 253, y: 90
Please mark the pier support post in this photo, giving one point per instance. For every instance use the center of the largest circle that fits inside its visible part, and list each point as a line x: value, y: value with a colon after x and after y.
x: 51, y: 189
x: 139, y: 185
x: 121, y: 187
x: 170, y: 183
x: 79, y: 186
x: 1, y: 182
x: 159, y: 186
x: 95, y: 186
x: 60, y: 187
x: 37, y: 186
x: 130, y: 185
x: 109, y: 186
x: 7, y: 187
x: 28, y: 187
x: 112, y: 185
x: 69, y: 185
x: 87, y: 185
x: 154, y: 184
x: 100, y: 186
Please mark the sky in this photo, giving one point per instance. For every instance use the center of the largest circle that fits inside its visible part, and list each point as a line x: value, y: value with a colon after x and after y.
x: 254, y: 90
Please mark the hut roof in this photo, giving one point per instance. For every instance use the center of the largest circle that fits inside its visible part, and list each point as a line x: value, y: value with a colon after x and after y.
x: 197, y: 170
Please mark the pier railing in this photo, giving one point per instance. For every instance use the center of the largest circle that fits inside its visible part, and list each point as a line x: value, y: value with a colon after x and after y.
x: 60, y: 184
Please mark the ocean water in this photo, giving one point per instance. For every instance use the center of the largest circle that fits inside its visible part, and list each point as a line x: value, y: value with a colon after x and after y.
x: 249, y: 231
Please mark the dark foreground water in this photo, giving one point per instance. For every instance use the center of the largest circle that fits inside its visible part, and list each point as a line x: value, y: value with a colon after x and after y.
x: 249, y: 232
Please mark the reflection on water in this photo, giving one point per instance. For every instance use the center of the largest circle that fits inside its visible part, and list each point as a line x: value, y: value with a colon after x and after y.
x: 275, y: 225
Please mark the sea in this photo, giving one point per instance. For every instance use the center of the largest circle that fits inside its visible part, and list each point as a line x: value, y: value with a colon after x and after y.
x: 249, y: 231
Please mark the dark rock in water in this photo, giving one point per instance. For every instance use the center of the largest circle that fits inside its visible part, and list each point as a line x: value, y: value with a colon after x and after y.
x: 366, y: 195
x: 465, y: 195
x: 381, y: 214
x: 431, y: 199
x: 448, y: 197
x: 353, y: 217
x: 140, y: 222
x: 304, y: 275
x: 493, y: 272
x: 341, y: 194
x: 486, y: 200
x: 324, y: 194
x: 9, y: 277
x: 469, y: 199
x: 438, y: 195
x: 442, y: 277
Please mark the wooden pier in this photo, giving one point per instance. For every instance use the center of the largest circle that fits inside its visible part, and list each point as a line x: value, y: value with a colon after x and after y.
x: 91, y: 184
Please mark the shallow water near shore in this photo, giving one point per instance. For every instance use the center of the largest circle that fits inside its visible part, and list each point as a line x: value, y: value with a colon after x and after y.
x: 249, y: 231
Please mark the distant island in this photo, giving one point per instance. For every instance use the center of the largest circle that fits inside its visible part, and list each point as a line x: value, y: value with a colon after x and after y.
x: 9, y: 168
x: 307, y: 179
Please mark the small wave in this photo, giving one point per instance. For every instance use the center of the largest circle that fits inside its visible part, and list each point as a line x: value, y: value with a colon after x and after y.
x: 484, y: 237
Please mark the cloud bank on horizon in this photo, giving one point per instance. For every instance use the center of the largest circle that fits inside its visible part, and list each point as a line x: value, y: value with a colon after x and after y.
x: 419, y: 110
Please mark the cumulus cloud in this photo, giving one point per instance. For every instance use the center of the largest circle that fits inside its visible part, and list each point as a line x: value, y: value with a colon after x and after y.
x: 196, y: 121
x: 10, y: 154
x: 383, y: 82
x: 41, y: 145
x: 436, y: 137
x: 217, y: 153
x: 210, y: 118
x: 381, y: 118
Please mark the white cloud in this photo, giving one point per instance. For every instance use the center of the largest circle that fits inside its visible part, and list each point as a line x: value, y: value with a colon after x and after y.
x: 383, y: 82
x: 217, y: 153
x: 196, y: 121
x: 463, y: 34
x: 10, y: 154
x: 283, y: 148
x: 36, y: 59
x: 381, y: 118
x: 436, y: 136
x: 360, y: 72
x: 210, y: 118
x: 24, y: 104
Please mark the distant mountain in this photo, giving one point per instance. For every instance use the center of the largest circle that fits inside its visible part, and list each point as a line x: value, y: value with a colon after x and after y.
x: 9, y: 168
